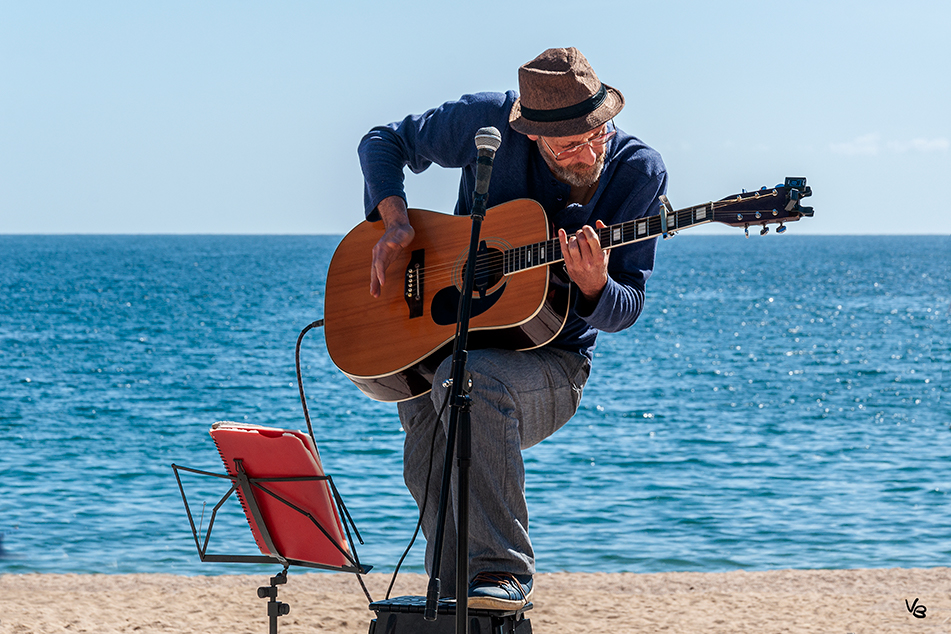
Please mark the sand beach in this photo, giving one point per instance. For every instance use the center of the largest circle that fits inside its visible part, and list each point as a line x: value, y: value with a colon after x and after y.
x: 783, y: 601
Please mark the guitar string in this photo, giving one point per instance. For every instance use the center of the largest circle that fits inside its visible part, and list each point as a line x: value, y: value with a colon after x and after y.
x: 495, y: 262
x: 487, y: 262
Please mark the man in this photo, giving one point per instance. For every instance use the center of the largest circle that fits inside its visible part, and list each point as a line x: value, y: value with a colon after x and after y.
x: 560, y: 148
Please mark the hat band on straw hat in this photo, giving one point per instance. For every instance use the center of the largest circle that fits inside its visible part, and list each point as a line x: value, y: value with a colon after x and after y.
x: 569, y: 112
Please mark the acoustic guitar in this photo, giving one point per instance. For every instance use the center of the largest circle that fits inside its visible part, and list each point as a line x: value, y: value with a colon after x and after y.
x: 391, y: 346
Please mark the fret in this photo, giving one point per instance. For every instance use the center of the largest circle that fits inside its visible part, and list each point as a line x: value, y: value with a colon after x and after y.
x: 549, y: 251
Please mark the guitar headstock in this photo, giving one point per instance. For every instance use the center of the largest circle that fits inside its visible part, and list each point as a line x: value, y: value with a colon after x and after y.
x: 766, y: 206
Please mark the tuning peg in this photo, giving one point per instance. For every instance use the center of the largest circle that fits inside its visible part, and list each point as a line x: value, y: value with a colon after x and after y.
x: 781, y: 228
x: 764, y: 230
x: 746, y: 229
x: 794, y: 196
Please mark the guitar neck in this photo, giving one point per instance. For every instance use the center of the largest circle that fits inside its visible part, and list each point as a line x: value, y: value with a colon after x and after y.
x: 549, y: 251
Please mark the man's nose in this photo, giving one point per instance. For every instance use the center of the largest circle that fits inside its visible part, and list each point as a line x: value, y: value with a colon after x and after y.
x: 587, y: 155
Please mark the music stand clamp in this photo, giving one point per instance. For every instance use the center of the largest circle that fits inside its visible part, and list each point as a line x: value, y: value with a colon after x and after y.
x: 274, y: 607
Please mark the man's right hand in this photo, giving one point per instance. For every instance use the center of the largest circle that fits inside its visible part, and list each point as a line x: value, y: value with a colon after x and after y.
x: 397, y: 235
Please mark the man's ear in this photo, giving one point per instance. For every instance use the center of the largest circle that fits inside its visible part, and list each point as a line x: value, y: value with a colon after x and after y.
x: 533, y: 137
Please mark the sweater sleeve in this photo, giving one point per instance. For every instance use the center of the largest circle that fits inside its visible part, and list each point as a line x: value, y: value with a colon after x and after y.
x: 622, y: 300
x: 418, y: 141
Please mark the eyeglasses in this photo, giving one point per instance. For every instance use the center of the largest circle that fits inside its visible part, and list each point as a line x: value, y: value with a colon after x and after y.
x: 597, y: 142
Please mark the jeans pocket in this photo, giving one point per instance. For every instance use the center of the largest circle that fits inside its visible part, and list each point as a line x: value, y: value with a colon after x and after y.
x: 579, y: 377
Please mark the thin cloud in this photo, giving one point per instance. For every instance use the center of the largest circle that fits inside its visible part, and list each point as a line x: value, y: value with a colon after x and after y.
x: 865, y: 145
x: 872, y: 145
x: 919, y: 145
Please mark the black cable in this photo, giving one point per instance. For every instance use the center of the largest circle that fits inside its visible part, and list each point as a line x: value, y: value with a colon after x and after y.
x: 300, y: 381
x: 310, y: 428
x: 432, y: 449
x: 422, y: 510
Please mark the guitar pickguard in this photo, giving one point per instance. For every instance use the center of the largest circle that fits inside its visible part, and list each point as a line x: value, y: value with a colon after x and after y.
x: 488, y: 285
x: 445, y: 304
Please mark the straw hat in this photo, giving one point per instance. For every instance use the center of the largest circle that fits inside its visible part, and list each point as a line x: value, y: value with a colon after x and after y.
x: 560, y: 95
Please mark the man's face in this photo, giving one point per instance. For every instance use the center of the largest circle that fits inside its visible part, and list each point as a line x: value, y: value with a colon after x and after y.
x: 575, y: 160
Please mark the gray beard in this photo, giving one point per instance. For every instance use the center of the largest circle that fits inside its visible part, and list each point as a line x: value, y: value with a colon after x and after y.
x: 577, y: 175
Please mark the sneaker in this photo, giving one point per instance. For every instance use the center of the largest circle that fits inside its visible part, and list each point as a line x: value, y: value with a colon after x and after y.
x: 500, y: 591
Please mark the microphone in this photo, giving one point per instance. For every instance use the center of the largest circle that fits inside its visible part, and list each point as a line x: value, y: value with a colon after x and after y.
x: 487, y: 141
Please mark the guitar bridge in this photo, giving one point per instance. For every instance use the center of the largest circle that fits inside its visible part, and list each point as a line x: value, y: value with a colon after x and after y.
x: 413, y: 284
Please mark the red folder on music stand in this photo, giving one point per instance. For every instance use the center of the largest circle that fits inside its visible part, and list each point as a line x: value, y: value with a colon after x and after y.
x: 297, y: 518
x: 290, y: 504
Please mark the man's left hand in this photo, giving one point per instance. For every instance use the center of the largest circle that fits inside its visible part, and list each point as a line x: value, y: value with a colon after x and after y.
x: 585, y: 260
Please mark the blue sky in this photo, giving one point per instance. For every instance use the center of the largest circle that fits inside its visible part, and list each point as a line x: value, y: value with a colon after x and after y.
x: 243, y: 117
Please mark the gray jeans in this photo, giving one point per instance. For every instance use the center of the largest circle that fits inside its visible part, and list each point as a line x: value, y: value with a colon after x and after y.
x: 518, y: 400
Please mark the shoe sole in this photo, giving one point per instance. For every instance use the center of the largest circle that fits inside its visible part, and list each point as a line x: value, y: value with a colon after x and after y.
x: 493, y: 603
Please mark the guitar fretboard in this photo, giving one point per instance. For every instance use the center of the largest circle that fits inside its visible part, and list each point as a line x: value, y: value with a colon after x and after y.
x: 549, y: 252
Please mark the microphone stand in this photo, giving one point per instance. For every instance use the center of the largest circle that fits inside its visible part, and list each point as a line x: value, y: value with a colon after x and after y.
x: 459, y: 419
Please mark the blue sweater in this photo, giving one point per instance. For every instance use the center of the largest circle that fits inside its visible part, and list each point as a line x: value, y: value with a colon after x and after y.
x: 633, y: 177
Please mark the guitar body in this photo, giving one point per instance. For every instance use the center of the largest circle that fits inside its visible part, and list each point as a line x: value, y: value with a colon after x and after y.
x: 391, y: 346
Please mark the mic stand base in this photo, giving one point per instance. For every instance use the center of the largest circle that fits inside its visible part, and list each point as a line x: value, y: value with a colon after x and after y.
x: 404, y: 615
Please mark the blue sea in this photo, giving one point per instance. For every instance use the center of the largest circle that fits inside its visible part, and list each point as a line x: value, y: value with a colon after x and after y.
x: 783, y: 402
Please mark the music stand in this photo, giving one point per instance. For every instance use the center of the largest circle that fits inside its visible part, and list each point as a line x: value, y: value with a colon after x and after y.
x: 292, y: 507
